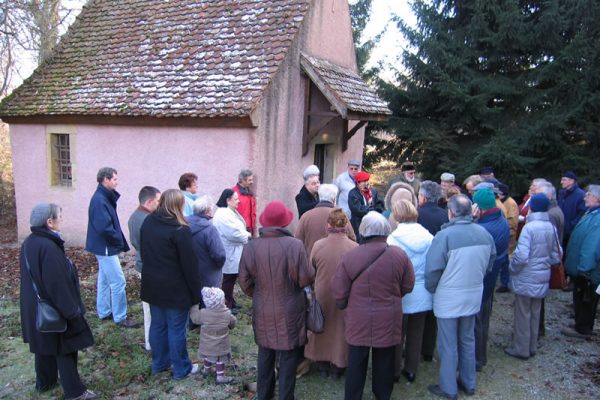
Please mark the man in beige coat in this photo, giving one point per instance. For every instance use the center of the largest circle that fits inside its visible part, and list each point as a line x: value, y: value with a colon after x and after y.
x: 313, y: 224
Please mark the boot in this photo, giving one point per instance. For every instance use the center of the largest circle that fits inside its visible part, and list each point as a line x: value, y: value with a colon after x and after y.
x: 221, y: 378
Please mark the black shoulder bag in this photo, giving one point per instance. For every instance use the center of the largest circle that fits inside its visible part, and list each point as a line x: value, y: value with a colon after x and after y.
x: 47, y: 317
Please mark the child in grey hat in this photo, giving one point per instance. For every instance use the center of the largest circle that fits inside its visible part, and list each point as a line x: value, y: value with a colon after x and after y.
x: 215, y: 322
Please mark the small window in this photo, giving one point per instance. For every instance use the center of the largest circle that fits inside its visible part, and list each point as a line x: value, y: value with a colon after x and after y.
x: 61, y: 160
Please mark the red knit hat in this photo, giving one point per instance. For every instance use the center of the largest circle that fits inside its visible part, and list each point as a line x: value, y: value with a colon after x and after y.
x: 362, y: 176
x: 276, y: 214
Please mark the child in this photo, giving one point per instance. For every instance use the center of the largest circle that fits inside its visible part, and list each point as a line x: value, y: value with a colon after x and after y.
x: 215, y: 321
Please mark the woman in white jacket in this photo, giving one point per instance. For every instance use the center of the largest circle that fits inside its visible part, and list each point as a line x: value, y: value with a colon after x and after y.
x: 232, y: 231
x: 536, y: 251
x: 415, y: 241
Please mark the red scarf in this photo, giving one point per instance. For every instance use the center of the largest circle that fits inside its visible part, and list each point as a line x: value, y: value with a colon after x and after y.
x: 367, y: 194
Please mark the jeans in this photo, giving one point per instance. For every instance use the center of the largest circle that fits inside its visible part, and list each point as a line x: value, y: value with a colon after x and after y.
x: 111, y: 296
x: 456, y: 348
x: 168, y: 341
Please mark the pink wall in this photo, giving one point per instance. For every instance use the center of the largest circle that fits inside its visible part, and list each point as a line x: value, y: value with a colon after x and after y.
x: 141, y: 155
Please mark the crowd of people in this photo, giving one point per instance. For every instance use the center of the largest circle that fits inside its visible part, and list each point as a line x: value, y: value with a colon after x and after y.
x: 396, y: 278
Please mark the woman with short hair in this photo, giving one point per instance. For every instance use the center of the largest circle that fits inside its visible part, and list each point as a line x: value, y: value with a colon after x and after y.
x: 170, y: 283
x: 415, y: 240
x: 329, y: 348
x: 369, y: 284
x: 48, y: 274
x: 234, y: 235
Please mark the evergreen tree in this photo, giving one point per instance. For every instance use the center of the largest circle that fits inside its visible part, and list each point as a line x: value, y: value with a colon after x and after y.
x: 508, y: 84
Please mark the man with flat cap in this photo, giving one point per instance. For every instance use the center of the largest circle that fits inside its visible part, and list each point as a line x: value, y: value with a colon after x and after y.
x: 345, y: 183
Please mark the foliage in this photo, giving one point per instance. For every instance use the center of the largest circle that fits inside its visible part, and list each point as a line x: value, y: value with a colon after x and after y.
x: 508, y: 84
x: 28, y: 26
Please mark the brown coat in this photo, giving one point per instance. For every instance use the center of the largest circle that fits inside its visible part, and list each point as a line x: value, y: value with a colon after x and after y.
x: 274, y: 270
x: 313, y: 225
x: 373, y: 300
x: 330, y: 345
x: 512, y: 216
x: 215, y: 324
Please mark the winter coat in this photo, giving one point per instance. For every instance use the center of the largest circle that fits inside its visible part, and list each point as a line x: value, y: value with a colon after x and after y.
x: 496, y: 224
x: 457, y: 261
x: 571, y: 202
x: 583, y: 253
x: 415, y: 241
x: 215, y: 324
x: 331, y: 344
x: 512, y: 216
x: 57, y: 281
x: 104, y: 235
x: 274, y: 270
x: 416, y: 183
x: 305, y: 201
x: 135, y: 225
x: 233, y: 234
x: 557, y: 218
x: 313, y: 226
x: 247, y: 207
x: 209, y: 250
x: 359, y: 207
x: 536, y: 251
x: 432, y: 217
x: 372, y: 299
x: 171, y: 278
x: 345, y: 183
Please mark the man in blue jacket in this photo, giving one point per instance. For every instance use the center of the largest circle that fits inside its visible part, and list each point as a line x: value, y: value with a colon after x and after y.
x: 583, y: 266
x: 106, y: 240
x: 571, y: 202
x: 492, y: 219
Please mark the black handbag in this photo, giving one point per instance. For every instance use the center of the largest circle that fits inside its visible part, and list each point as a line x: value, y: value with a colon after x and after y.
x: 47, y: 317
x: 315, y: 320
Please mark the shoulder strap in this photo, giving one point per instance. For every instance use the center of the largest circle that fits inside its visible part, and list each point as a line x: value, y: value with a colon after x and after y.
x: 371, y: 263
x: 35, y: 289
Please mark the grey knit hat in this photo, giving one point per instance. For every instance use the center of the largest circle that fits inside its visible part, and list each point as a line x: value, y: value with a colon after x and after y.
x: 40, y: 214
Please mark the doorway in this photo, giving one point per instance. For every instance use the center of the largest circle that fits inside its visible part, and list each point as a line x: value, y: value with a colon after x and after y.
x: 324, y: 158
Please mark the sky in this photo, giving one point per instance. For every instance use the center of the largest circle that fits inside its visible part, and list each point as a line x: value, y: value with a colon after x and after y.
x: 388, y: 50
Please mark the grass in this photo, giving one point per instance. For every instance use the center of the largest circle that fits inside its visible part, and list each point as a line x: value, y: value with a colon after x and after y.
x: 117, y: 366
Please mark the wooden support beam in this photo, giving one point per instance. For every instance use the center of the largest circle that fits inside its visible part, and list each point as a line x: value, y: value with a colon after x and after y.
x: 347, y: 134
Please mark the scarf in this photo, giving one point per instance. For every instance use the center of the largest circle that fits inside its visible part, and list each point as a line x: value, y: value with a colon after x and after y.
x: 366, y: 194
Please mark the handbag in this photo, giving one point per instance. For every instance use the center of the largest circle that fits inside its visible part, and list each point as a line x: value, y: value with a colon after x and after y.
x: 315, y: 320
x: 47, y: 317
x: 558, y: 279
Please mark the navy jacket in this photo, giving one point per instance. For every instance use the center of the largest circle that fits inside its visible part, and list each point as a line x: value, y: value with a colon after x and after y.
x: 432, y: 217
x: 104, y: 235
x: 209, y: 250
x: 572, y: 204
x: 497, y: 225
x: 358, y: 208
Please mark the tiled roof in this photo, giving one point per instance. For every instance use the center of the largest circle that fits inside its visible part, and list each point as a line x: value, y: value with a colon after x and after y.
x: 344, y: 88
x: 192, y: 58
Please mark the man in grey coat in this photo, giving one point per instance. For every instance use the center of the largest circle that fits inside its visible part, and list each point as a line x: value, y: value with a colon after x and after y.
x: 459, y: 257
x: 148, y: 198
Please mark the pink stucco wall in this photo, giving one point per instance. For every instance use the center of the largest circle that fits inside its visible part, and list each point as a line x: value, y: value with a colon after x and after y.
x: 277, y: 156
x: 141, y: 155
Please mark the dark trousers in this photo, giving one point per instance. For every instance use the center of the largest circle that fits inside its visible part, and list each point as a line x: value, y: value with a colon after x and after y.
x: 47, y: 369
x: 482, y: 328
x: 585, y: 299
x: 429, y: 335
x: 412, y: 335
x: 228, y: 284
x: 382, y: 380
x: 288, y: 361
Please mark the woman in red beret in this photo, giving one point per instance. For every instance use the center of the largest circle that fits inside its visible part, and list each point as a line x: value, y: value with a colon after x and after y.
x: 362, y: 199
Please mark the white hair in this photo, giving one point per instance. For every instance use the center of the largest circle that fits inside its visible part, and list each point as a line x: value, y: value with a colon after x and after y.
x: 594, y: 190
x: 548, y: 189
x: 311, y: 170
x: 328, y: 192
x: 203, y: 205
x: 374, y: 224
